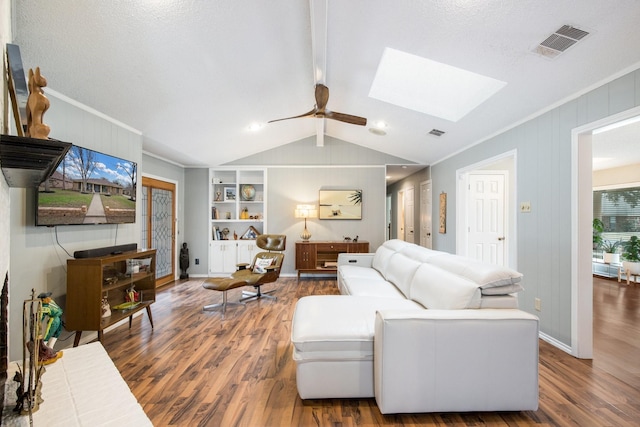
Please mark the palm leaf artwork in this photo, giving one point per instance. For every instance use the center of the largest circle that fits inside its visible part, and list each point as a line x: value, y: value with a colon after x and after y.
x: 356, y: 197
x: 340, y: 204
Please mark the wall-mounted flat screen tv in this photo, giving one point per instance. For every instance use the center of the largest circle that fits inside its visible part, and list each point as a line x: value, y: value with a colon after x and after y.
x: 88, y: 187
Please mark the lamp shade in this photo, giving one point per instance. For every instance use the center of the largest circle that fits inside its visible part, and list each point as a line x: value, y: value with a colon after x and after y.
x: 306, y: 211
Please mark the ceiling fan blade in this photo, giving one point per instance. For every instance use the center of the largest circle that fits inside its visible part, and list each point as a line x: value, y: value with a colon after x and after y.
x: 311, y: 113
x: 347, y: 118
x: 320, y: 111
x: 322, y: 96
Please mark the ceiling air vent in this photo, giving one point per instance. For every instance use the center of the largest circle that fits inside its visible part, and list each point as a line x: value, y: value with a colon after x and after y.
x: 565, y: 37
x: 436, y: 132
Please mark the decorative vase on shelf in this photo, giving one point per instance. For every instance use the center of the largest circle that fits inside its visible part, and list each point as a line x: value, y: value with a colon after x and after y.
x: 248, y: 192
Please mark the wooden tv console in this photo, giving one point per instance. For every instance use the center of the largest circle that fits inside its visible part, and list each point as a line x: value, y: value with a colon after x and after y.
x: 89, y: 280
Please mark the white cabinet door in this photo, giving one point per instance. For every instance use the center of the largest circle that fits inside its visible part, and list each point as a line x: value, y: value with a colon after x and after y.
x: 224, y: 257
x: 247, y: 249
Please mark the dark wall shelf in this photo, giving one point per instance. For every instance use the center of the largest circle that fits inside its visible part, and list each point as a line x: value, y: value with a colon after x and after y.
x: 27, y: 162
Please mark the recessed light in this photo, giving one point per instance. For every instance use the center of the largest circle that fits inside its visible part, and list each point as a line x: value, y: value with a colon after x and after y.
x: 380, y: 124
x: 377, y: 131
x: 254, y: 127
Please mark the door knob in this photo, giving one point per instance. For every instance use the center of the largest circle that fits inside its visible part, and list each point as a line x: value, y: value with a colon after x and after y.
x: 501, y: 238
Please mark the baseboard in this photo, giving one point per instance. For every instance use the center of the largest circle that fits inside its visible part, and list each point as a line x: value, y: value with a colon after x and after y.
x: 554, y: 342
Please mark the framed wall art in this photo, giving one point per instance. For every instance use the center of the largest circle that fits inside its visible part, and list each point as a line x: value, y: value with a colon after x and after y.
x: 229, y: 194
x: 250, y: 234
x: 17, y: 88
x: 340, y: 204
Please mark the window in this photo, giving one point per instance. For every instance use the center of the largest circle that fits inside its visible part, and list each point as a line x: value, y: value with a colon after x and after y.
x: 619, y: 210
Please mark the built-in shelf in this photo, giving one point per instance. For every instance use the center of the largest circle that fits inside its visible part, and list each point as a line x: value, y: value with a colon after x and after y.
x: 27, y: 162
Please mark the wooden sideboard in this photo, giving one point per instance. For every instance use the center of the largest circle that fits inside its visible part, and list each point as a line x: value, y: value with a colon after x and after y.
x: 322, y: 256
x: 90, y: 280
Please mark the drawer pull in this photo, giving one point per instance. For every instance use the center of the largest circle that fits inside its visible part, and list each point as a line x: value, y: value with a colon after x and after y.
x: 353, y: 260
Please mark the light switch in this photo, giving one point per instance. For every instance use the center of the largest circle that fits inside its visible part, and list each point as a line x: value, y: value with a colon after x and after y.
x: 525, y: 207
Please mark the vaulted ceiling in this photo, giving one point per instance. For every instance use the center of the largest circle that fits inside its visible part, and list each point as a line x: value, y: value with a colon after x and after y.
x: 193, y: 76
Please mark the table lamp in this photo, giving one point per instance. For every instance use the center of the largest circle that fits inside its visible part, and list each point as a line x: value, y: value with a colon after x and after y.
x: 306, y: 211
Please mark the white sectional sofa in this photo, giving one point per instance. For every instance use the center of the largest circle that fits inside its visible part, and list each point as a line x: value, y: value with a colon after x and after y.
x: 421, y: 331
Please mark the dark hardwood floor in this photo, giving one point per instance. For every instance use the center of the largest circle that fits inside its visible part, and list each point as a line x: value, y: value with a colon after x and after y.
x: 200, y: 369
x: 616, y: 329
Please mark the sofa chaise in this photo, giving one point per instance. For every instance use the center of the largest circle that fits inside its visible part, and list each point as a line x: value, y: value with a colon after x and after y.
x: 421, y: 331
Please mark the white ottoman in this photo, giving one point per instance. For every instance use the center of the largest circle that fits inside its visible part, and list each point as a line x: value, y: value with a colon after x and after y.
x: 332, y: 338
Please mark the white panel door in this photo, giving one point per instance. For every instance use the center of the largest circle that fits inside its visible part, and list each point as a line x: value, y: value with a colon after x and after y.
x: 409, y: 217
x: 486, y: 220
x: 425, y: 214
x: 400, y: 225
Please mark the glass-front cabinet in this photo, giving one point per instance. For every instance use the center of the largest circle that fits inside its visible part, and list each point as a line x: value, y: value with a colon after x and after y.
x: 237, y: 206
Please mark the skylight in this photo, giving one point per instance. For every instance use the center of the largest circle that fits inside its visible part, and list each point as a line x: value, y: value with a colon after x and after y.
x: 430, y: 87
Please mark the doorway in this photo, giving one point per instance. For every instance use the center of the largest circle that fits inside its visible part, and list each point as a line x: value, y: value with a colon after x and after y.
x: 158, y: 225
x: 582, y: 162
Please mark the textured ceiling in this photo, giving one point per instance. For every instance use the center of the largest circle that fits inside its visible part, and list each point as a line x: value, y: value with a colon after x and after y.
x: 193, y: 75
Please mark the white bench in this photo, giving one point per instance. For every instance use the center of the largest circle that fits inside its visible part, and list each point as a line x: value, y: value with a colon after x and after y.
x: 83, y: 388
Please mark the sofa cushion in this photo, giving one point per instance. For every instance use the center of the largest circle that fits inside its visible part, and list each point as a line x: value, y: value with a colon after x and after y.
x: 436, y: 288
x: 381, y: 259
x: 484, y: 274
x: 351, y: 271
x: 499, y: 301
x: 420, y: 253
x: 337, y: 327
x: 365, y: 287
x: 502, y: 290
x: 400, y: 271
x: 384, y: 252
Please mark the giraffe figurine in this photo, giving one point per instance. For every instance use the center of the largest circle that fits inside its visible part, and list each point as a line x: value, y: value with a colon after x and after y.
x: 37, y: 105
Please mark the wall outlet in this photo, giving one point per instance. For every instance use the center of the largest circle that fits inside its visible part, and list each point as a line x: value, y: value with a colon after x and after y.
x: 197, y: 261
x: 536, y: 304
x: 525, y: 207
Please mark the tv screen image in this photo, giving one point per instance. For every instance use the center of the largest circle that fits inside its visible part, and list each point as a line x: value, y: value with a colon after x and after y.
x: 88, y: 187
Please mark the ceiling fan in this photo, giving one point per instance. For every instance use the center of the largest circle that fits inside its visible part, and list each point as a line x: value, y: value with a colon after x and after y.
x: 320, y: 111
